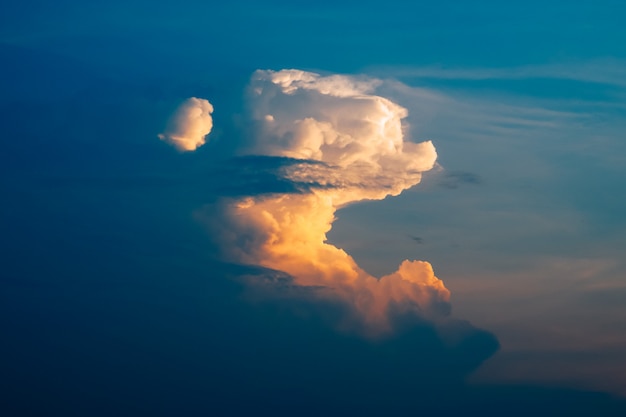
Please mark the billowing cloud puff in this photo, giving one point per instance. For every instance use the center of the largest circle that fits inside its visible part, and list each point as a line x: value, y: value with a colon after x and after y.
x: 189, y: 126
x: 338, y: 121
x: 288, y: 233
x: 358, y: 142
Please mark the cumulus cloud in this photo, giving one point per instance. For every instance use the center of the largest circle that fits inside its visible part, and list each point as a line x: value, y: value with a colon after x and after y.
x: 358, y: 141
x: 190, y: 125
x: 337, y: 120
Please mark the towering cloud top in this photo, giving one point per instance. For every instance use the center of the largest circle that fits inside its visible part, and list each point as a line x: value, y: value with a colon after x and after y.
x: 189, y: 126
x: 337, y: 120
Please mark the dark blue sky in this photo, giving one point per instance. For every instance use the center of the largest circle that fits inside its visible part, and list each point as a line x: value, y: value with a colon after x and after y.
x: 114, y: 301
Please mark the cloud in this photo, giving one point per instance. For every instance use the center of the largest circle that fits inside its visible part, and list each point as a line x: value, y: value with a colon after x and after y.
x: 353, y: 147
x: 455, y: 179
x: 416, y: 239
x: 190, y: 125
x: 358, y: 136
x: 288, y: 233
x: 603, y: 71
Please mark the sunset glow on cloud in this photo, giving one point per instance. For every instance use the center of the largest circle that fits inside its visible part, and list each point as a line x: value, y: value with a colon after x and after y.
x: 189, y: 126
x: 358, y: 140
x: 288, y: 233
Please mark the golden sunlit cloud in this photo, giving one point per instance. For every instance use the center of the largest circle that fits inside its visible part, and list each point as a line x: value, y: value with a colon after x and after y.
x: 288, y: 233
x: 358, y: 142
x: 189, y: 126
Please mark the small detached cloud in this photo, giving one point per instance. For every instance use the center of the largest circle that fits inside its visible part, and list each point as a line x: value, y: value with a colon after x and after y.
x: 416, y: 239
x: 456, y: 179
x: 189, y: 126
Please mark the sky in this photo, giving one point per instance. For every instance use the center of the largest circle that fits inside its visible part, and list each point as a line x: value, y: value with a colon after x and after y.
x: 336, y: 208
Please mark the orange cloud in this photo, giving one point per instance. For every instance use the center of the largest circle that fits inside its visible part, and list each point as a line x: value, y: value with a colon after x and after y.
x: 288, y: 233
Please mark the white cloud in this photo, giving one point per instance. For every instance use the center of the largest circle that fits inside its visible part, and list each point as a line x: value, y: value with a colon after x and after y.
x: 190, y: 125
x: 337, y: 120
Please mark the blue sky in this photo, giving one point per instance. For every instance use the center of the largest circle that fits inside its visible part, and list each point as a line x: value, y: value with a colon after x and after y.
x: 112, y: 286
